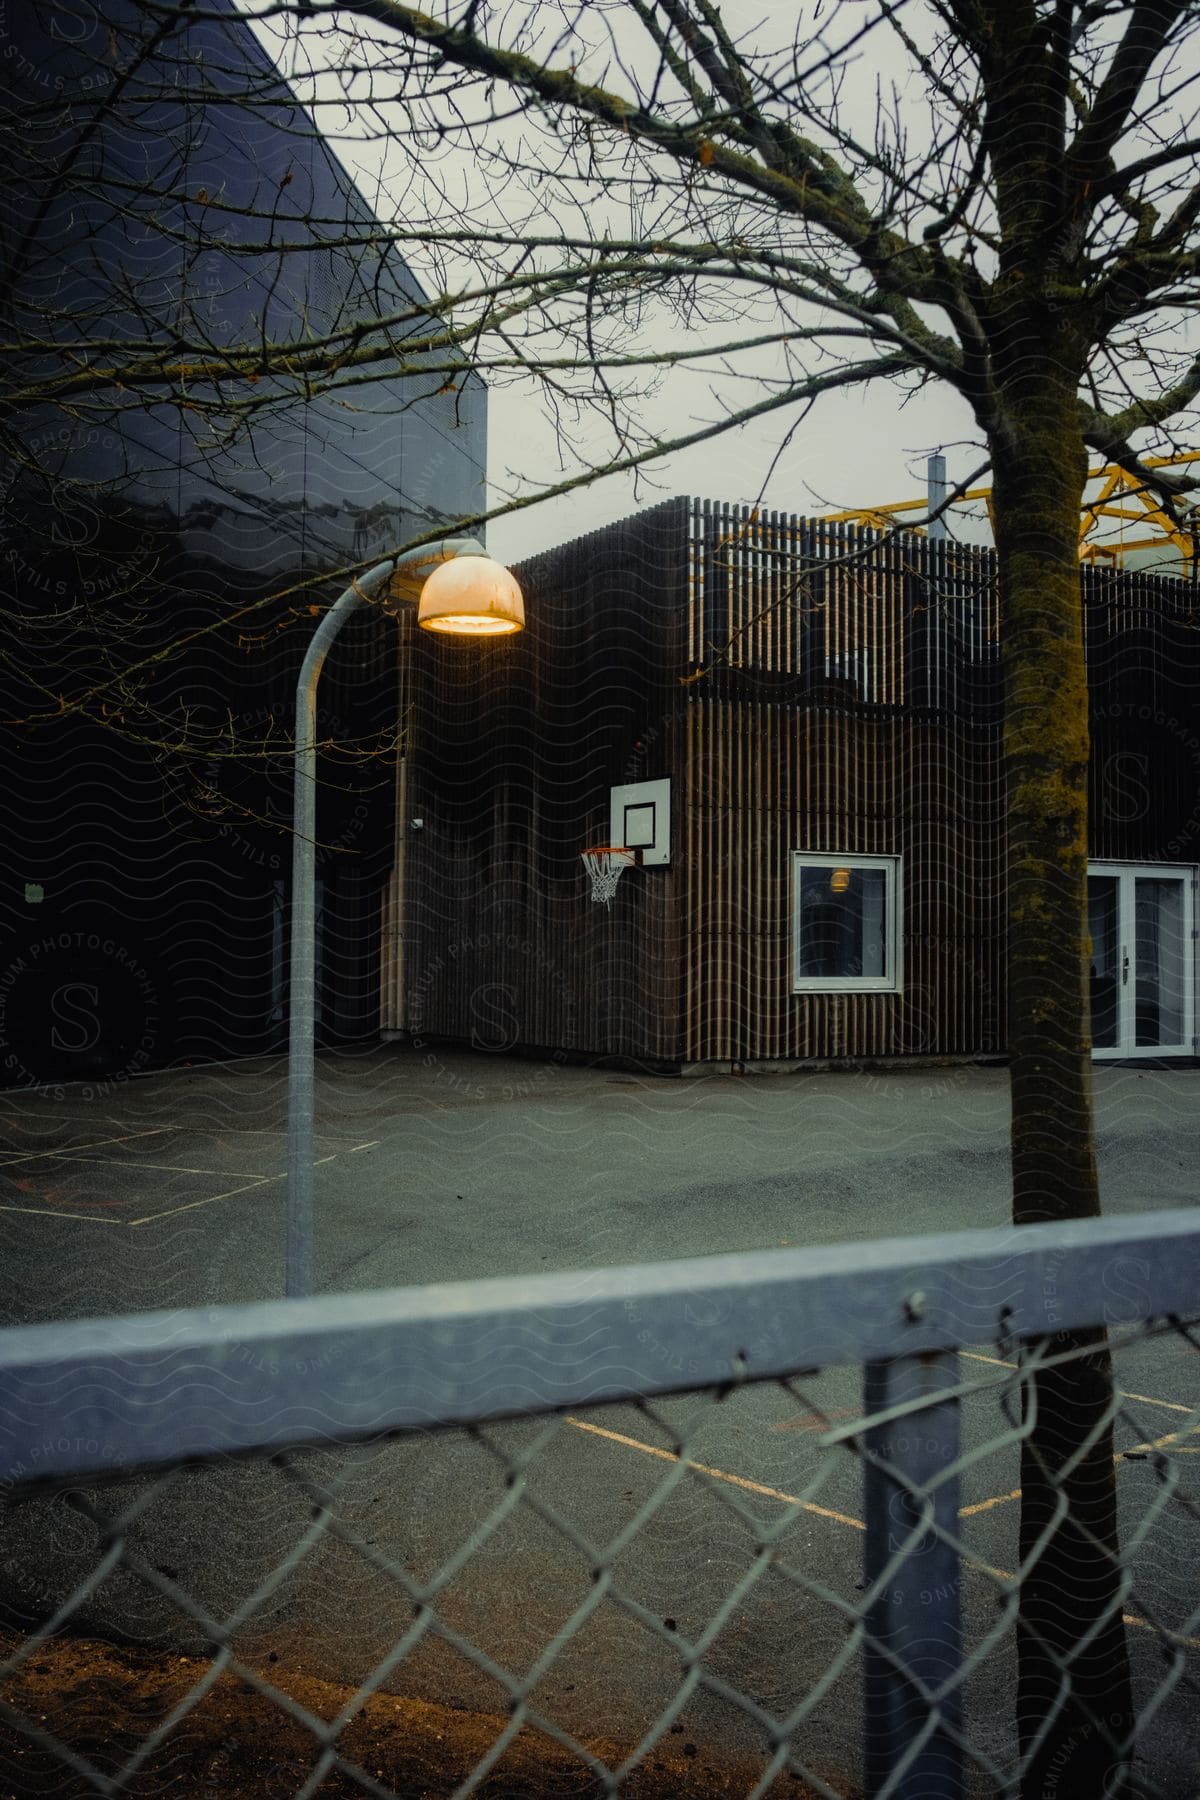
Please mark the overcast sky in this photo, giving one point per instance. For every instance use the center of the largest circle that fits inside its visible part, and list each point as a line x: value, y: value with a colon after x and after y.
x: 854, y: 449
x: 858, y: 448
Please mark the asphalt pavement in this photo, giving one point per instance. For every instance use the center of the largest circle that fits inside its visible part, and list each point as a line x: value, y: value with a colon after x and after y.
x: 432, y: 1166
x: 169, y: 1191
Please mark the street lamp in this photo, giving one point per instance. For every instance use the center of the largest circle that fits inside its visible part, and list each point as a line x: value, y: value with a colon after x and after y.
x: 458, y: 591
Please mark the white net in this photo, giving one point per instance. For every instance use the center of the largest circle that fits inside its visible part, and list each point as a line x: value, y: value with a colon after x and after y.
x: 606, y: 863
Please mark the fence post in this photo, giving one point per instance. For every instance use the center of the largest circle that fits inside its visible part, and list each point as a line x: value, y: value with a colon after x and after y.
x: 914, y: 1624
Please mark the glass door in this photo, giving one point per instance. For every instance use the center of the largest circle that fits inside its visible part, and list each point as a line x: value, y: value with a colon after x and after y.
x: 1104, y: 927
x: 1142, y: 969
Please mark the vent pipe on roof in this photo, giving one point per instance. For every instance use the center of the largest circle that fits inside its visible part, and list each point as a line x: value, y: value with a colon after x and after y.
x: 935, y: 477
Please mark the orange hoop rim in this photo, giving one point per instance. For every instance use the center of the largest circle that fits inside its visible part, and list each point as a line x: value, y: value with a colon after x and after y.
x: 604, y: 865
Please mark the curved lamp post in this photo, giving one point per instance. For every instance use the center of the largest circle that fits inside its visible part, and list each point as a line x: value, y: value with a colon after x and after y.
x: 459, y: 591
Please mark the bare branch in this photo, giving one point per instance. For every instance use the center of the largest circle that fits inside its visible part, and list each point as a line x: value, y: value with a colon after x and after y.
x: 1148, y: 32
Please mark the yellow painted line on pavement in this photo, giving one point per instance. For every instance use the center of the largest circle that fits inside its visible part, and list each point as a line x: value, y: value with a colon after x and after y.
x: 1142, y: 1399
x: 753, y: 1487
x: 1172, y: 1637
x: 1164, y: 1631
x: 1170, y: 1437
x: 844, y: 1518
x: 967, y: 1512
x: 825, y: 1512
x: 1156, y: 1444
x: 1170, y: 1405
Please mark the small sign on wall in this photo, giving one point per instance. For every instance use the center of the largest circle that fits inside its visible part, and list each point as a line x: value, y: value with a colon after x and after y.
x: 640, y: 819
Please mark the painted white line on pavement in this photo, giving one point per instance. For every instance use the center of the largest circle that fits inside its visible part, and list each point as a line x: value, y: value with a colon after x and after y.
x: 176, y: 1168
x: 248, y: 1187
x: 54, y: 1212
x: 33, y: 1155
x: 255, y: 1181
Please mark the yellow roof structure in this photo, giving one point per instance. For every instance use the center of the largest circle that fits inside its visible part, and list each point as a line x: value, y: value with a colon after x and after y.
x: 1122, y: 520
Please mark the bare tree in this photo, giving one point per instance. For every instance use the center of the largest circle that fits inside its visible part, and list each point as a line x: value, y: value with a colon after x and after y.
x: 1001, y: 196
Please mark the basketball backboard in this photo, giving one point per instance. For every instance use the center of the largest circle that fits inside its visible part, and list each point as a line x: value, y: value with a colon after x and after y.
x: 640, y: 818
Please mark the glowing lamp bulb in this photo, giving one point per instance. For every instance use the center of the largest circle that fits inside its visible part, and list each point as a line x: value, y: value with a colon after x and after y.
x: 471, y: 596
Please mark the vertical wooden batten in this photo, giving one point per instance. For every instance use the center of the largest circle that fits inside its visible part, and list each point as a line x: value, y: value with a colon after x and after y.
x: 806, y: 685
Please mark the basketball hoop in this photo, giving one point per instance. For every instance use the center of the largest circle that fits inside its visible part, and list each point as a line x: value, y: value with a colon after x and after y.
x: 606, y: 863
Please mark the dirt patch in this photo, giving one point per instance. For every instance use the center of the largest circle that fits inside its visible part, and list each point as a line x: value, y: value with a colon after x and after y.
x: 103, y: 1701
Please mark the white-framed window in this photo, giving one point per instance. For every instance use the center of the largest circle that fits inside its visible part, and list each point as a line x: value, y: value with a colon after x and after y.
x: 845, y: 924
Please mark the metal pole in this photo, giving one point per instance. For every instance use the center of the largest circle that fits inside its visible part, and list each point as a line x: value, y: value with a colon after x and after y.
x: 913, y: 1644
x: 298, y: 1263
x: 298, y: 1258
x: 935, y: 487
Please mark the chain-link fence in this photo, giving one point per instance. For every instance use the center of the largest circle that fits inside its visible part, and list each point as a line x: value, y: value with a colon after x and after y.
x: 651, y: 1531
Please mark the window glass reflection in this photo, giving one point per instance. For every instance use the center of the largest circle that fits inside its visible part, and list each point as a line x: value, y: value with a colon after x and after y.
x: 1161, y: 961
x: 842, y: 926
x: 1104, y: 970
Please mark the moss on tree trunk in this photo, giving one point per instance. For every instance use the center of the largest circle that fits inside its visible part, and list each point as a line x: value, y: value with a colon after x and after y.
x: 1070, y: 1621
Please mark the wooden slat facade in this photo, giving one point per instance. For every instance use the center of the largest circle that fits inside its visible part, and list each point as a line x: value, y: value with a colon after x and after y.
x: 515, y: 745
x: 806, y: 685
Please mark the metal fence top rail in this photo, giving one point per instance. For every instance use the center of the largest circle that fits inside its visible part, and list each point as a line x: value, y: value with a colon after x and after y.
x: 143, y: 1390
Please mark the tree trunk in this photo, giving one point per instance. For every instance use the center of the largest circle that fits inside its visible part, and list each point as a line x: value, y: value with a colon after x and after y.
x: 1071, y: 1591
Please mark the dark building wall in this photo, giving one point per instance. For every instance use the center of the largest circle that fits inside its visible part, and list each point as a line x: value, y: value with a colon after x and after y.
x: 516, y: 743
x: 1143, y: 638
x: 851, y: 707
x: 769, y: 778
x: 807, y: 687
x: 160, y: 576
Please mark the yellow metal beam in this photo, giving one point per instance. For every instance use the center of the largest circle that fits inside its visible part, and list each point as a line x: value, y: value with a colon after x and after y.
x: 1121, y: 498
